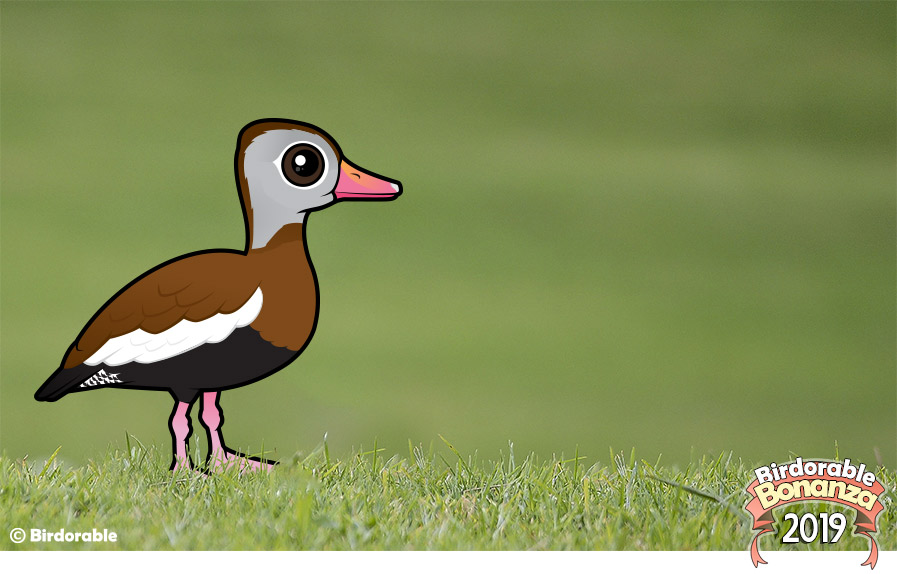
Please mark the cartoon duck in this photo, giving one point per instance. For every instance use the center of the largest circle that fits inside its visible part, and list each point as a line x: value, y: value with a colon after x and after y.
x: 219, y: 319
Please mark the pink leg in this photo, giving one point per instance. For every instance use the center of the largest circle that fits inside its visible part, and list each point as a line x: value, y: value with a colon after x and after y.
x: 221, y: 457
x: 181, y: 429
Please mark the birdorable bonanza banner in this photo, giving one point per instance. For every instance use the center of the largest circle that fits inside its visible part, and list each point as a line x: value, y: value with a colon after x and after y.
x: 836, y: 482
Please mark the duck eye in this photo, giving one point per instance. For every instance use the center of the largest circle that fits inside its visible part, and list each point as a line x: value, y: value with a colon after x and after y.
x: 303, y: 165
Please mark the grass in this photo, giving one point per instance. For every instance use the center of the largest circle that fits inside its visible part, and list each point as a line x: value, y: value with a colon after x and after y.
x: 434, y: 499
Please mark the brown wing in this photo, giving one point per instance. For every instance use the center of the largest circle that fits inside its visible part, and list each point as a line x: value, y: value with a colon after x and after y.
x: 193, y: 288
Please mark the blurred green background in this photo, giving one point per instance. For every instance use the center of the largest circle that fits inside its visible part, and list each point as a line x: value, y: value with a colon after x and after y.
x: 661, y: 226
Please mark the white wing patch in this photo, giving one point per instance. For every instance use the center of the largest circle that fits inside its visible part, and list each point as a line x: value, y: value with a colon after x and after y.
x: 144, y: 347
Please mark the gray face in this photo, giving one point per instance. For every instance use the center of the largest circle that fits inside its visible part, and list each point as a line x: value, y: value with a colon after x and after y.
x: 289, y: 172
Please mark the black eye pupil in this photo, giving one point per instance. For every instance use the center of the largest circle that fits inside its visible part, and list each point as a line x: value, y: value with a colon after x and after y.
x: 303, y: 165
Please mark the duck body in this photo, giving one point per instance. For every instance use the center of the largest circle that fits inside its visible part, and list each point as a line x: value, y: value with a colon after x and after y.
x: 259, y: 308
x: 215, y: 320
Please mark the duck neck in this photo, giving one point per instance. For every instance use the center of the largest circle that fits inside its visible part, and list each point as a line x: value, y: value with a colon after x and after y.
x: 262, y: 231
x: 289, y: 287
x: 287, y: 243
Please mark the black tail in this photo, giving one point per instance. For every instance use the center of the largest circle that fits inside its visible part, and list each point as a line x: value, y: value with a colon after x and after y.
x: 62, y: 382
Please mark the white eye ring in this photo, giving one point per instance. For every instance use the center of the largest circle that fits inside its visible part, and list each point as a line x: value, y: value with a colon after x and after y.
x: 277, y: 163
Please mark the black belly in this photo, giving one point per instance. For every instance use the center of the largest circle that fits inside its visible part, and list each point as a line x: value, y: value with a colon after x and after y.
x: 243, y: 358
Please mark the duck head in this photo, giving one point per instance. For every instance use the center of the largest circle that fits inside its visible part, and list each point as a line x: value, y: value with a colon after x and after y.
x: 286, y: 169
